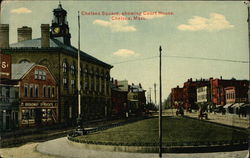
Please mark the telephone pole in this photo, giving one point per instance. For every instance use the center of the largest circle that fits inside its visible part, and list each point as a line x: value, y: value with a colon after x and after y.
x: 160, y: 110
x: 155, y: 92
x: 150, y: 101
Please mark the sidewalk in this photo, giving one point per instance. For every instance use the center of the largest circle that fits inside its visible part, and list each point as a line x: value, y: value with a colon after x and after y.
x: 61, y: 147
x: 227, y: 119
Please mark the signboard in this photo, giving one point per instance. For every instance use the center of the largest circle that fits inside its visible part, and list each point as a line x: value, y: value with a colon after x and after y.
x: 5, y: 66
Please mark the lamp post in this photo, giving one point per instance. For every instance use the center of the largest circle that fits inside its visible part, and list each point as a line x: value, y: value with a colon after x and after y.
x: 160, y: 110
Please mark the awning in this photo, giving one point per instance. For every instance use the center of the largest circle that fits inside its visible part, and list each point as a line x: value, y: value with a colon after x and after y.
x: 237, y: 105
x: 227, y: 105
x: 246, y: 105
x: 217, y: 106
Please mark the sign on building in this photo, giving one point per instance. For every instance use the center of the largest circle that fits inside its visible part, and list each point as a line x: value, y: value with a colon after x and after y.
x: 5, y: 66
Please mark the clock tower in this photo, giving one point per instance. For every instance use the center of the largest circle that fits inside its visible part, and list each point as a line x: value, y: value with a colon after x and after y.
x: 60, y: 27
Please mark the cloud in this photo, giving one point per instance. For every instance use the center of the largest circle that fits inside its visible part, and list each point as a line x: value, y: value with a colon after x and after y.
x: 125, y: 53
x: 116, y: 25
x: 153, y: 15
x: 21, y: 11
x: 215, y: 22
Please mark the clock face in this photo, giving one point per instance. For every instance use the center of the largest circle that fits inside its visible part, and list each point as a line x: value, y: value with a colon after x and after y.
x: 56, y: 29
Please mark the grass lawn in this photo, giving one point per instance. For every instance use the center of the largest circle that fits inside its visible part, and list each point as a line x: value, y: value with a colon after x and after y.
x: 175, y: 129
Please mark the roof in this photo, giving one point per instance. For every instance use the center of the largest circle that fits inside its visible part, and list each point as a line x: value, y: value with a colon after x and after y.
x: 136, y: 88
x: 19, y: 70
x: 56, y: 43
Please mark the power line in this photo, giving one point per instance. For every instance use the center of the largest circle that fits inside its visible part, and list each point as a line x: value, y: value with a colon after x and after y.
x: 184, y: 57
x: 204, y: 58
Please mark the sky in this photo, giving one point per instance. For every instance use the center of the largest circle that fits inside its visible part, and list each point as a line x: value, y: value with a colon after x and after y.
x: 184, y: 29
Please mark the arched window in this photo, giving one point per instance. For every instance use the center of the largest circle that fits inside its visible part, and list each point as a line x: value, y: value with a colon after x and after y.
x: 73, y: 68
x: 65, y: 66
x: 24, y: 61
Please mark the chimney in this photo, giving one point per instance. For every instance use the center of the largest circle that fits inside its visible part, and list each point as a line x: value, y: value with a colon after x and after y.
x: 116, y: 83
x: 220, y: 77
x: 45, y: 36
x: 4, y: 35
x: 24, y: 33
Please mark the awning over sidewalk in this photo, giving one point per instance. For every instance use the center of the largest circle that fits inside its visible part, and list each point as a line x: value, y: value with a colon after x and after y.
x: 217, y: 106
x: 227, y: 105
x: 246, y: 105
x: 237, y: 105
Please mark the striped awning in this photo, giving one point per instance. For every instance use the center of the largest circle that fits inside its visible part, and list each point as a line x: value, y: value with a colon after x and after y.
x: 227, y: 105
x: 237, y: 105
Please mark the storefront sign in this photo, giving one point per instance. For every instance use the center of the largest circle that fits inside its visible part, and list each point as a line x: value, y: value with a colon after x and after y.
x: 5, y: 66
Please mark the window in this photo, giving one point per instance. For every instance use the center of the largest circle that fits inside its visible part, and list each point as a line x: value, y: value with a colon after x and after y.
x: 36, y: 74
x: 43, y: 74
x: 31, y: 90
x: 65, y: 82
x: 72, y: 69
x: 49, y: 94
x: 64, y: 67
x: 53, y: 92
x: 40, y: 75
x: 44, y: 91
x: 73, y: 85
x: 36, y: 91
x: 25, y: 90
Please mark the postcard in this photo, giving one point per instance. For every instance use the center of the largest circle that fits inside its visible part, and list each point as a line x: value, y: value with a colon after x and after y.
x: 124, y: 79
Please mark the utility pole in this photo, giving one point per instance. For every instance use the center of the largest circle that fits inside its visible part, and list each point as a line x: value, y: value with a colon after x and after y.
x: 150, y: 101
x: 160, y: 110
x: 155, y: 92
x: 248, y: 21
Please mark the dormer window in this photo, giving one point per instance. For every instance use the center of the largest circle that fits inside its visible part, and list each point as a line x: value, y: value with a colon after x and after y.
x: 40, y: 75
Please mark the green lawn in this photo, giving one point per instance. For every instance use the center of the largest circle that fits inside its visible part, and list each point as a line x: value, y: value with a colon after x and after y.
x: 175, y: 129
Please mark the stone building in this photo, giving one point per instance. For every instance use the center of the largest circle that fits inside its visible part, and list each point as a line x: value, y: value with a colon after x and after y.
x: 55, y: 51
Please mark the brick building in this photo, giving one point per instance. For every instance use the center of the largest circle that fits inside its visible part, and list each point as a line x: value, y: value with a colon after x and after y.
x: 54, y: 50
x: 119, y: 99
x: 136, y: 99
x: 38, y: 99
x: 190, y: 93
x: 218, y: 87
x: 177, y: 97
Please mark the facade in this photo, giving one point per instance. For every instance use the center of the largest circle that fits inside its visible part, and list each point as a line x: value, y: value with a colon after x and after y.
x: 218, y: 89
x: 190, y: 93
x: 55, y: 51
x: 119, y: 99
x: 177, y: 97
x: 136, y: 99
x: 9, y: 105
x: 38, y: 99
